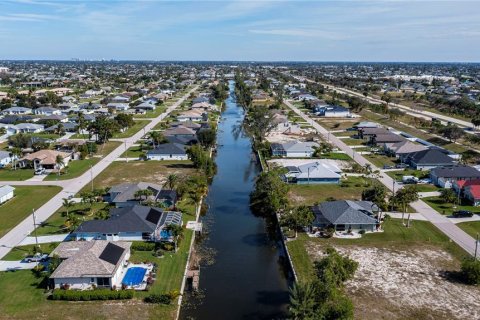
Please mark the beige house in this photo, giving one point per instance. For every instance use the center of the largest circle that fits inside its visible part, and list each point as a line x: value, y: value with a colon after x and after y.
x: 46, y: 159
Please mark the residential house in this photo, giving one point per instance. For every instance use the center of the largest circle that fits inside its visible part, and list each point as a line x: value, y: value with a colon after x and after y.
x: 402, y: 148
x: 135, y: 223
x: 46, y: 159
x: 47, y: 111
x: 86, y: 263
x: 294, y: 149
x: 332, y: 111
x: 124, y: 195
x: 117, y: 106
x: 445, y: 176
x: 17, y: 111
x: 192, y: 115
x: 345, y: 215
x: 28, y: 128
x: 383, y: 138
x: 168, y: 151
x: 472, y: 193
x: 429, y: 159
x: 180, y: 131
x: 120, y: 99
x: 319, y: 172
x: 146, y: 106
x: 6, y: 158
x: 6, y: 193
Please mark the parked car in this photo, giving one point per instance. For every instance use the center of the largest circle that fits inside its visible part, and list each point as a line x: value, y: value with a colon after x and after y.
x: 462, y: 214
x: 401, y: 166
x: 387, y: 167
x: 424, y: 181
x: 36, y: 258
x: 409, y: 180
x: 39, y: 171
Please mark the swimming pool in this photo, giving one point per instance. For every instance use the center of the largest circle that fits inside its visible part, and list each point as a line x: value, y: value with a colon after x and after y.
x: 134, y: 276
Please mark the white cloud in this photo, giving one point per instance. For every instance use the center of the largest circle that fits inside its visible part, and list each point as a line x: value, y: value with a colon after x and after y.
x: 301, y: 32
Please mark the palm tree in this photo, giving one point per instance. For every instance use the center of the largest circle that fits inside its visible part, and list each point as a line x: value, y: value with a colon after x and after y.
x: 302, y: 301
x: 195, y: 198
x: 67, y: 204
x: 172, y: 180
x: 72, y: 222
x: 81, y: 123
x: 59, y: 162
x: 14, y: 155
x: 156, y: 137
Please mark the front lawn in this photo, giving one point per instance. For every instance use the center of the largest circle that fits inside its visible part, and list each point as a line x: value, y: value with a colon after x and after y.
x: 152, y: 114
x: 472, y: 227
x: 380, y: 160
x: 19, y: 253
x: 398, y: 174
x: 139, y: 124
x: 26, y: 199
x: 76, y: 168
x: 353, y: 142
x: 447, y: 208
x: 336, y: 156
x: 8, y: 174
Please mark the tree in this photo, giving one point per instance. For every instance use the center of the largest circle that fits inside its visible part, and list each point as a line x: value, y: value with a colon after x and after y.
x: 297, y: 218
x: 81, y: 124
x: 302, y: 301
x: 471, y: 271
x: 176, y: 231
x: 475, y: 122
x: 201, y: 159
x: 156, y: 137
x: 207, y: 137
x: 124, y: 120
x: 448, y: 195
x: 172, y: 180
x: 67, y: 204
x: 103, y: 128
x: 259, y: 122
x: 270, y: 194
x: 59, y: 163
x: 452, y: 132
x: 376, y: 194
x: 404, y: 197
x: 195, y: 198
x: 15, y: 154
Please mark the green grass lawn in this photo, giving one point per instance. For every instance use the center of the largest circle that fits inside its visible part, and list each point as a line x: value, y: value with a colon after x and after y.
x: 397, y: 175
x: 134, y: 171
x: 78, y: 167
x: 55, y: 224
x: 336, y: 156
x: 447, y: 208
x: 350, y: 189
x: 353, y: 142
x: 152, y: 114
x: 472, y: 228
x: 134, y: 152
x: 8, y: 174
x: 380, y: 160
x: 26, y: 199
x: 396, y: 236
x: 139, y: 124
x: 19, y: 253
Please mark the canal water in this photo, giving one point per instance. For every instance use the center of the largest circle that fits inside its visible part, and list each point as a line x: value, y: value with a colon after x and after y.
x: 248, y: 278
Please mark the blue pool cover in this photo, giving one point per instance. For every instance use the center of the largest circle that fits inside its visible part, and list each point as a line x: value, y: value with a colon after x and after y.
x: 134, y: 276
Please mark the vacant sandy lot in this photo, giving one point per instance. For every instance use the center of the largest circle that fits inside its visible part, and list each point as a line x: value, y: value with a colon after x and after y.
x: 401, y: 284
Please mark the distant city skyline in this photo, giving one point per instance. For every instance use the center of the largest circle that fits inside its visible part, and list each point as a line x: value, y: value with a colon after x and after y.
x: 356, y: 31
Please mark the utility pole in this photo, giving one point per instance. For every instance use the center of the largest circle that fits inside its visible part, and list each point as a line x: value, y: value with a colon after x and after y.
x: 91, y: 176
x: 476, y: 247
x: 35, y: 228
x: 126, y: 156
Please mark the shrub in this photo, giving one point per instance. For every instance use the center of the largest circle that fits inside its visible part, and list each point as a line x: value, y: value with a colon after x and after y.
x: 158, y: 298
x: 361, y: 232
x: 471, y: 271
x: 89, y: 295
x: 143, y: 246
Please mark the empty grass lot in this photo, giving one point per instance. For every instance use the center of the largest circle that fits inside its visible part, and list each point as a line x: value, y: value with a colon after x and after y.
x: 447, y: 208
x: 139, y: 124
x: 152, y: 114
x: 134, y: 171
x: 380, y: 160
x: 78, y: 167
x: 397, y: 236
x: 349, y: 189
x: 26, y: 199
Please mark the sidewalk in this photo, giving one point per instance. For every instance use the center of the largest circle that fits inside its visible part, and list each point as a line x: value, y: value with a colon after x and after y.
x: 45, y: 239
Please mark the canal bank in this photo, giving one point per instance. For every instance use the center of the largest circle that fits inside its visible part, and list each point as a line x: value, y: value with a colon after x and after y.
x: 249, y: 277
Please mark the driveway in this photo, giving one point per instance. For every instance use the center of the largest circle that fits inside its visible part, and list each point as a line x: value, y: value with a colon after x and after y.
x: 44, y: 239
x: 16, y: 265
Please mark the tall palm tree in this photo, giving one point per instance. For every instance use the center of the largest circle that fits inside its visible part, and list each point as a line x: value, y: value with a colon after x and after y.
x: 195, y: 198
x: 59, y: 162
x: 67, y: 204
x: 156, y: 137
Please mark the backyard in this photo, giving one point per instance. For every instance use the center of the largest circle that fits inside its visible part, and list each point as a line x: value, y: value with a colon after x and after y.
x: 26, y: 199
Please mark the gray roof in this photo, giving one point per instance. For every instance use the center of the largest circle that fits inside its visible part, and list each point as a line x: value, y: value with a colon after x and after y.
x: 456, y: 172
x: 127, y: 219
x: 169, y: 148
x: 430, y: 156
x: 4, y: 154
x: 295, y: 146
x: 89, y: 258
x: 126, y: 191
x: 344, y: 212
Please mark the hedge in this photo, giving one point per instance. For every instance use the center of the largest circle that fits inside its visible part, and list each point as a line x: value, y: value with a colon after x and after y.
x: 87, y: 295
x: 143, y: 246
x: 158, y: 298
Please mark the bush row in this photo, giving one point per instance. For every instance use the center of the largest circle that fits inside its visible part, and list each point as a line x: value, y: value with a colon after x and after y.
x: 87, y: 295
x: 143, y: 246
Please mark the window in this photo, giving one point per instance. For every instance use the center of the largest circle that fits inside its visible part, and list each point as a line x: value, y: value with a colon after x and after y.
x: 103, y: 281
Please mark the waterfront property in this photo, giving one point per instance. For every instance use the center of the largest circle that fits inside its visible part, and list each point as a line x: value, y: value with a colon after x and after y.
x: 294, y: 149
x: 345, y: 215
x: 313, y: 173
x: 132, y: 194
x: 168, y: 151
x: 90, y: 263
x: 137, y: 223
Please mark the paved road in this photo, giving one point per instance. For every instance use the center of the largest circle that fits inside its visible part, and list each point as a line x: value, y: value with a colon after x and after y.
x: 44, y: 239
x: 414, y: 112
x: 441, y: 222
x: 72, y: 186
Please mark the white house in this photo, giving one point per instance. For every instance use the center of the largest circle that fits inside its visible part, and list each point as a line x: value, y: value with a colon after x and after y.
x: 6, y: 193
x: 47, y: 111
x: 87, y: 263
x: 5, y: 158
x: 28, y: 128
x: 118, y: 106
x: 17, y: 110
x: 168, y: 151
x: 294, y: 149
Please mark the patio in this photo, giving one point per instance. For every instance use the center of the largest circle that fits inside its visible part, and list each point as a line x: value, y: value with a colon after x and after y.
x: 148, y: 277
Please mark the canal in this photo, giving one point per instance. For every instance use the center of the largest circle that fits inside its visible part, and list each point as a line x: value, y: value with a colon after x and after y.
x: 248, y: 278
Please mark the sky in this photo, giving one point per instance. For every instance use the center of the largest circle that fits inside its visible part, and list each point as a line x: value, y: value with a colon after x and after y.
x: 421, y: 30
